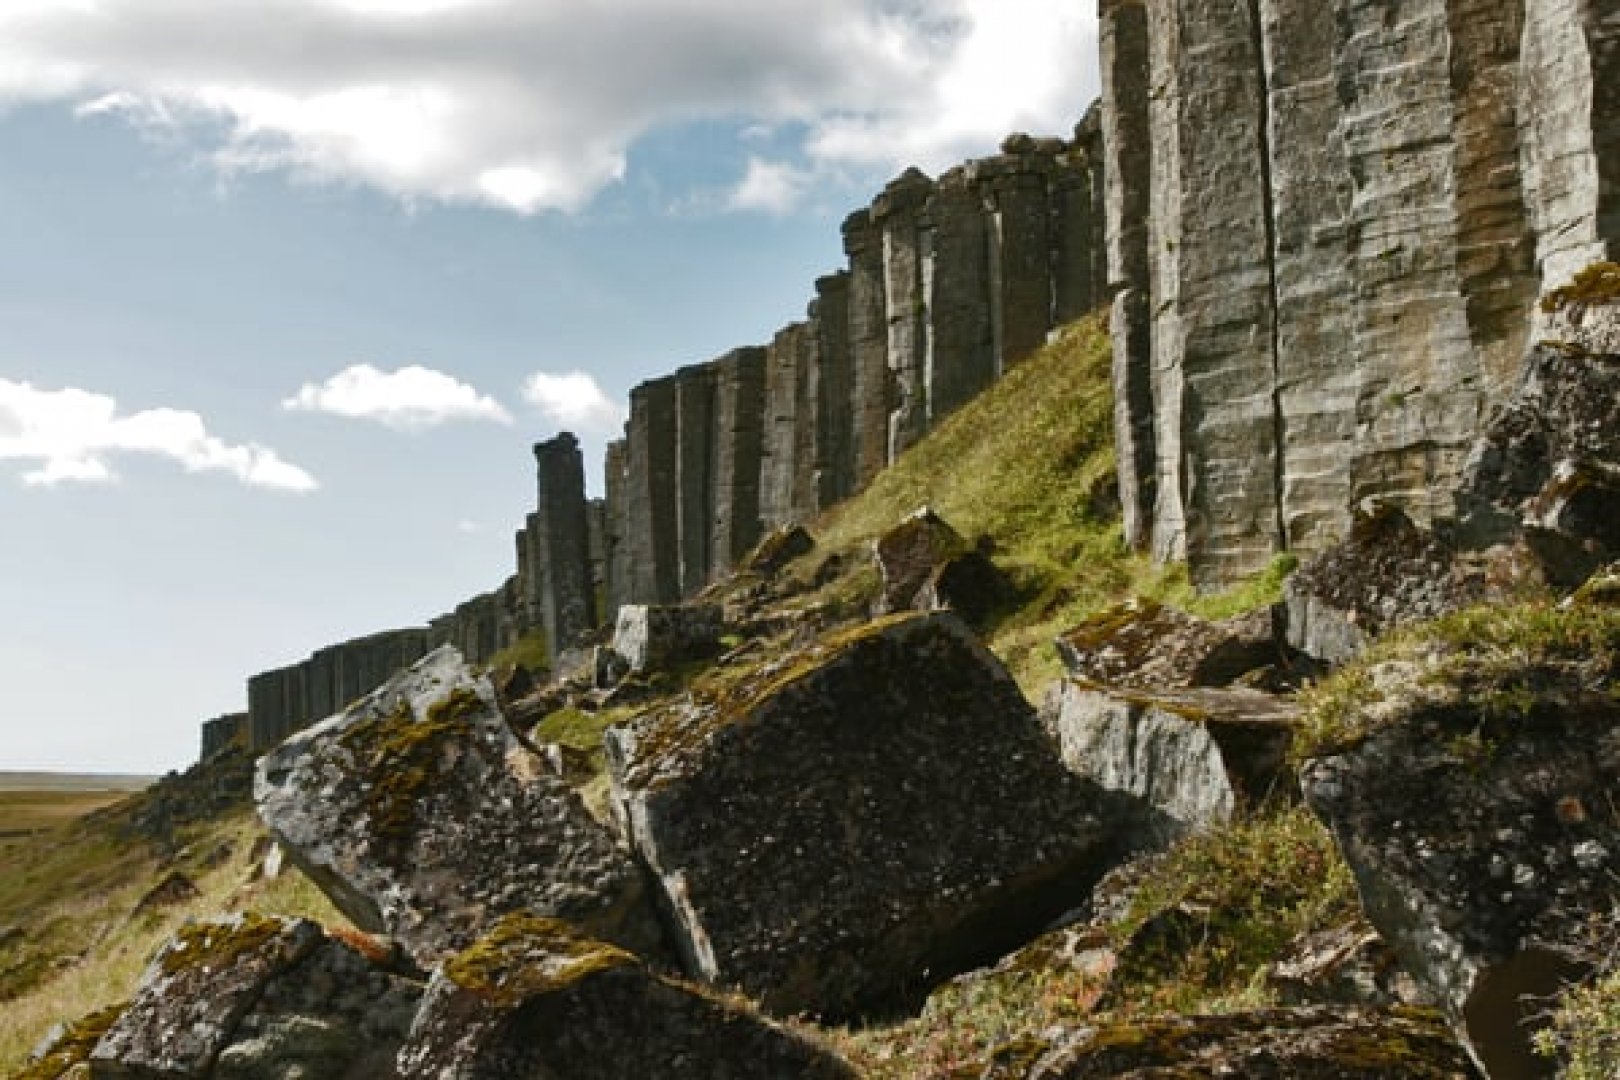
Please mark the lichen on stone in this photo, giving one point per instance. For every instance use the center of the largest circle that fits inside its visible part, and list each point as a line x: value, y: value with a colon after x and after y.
x: 525, y: 956
x: 73, y: 1046
x: 218, y: 945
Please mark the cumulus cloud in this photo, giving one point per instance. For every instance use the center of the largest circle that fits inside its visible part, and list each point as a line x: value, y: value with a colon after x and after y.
x: 410, y: 399
x: 774, y: 187
x: 71, y: 435
x: 532, y: 105
x: 574, y: 401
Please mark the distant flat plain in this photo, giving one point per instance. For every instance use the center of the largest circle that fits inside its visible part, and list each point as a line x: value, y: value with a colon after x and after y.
x: 33, y: 802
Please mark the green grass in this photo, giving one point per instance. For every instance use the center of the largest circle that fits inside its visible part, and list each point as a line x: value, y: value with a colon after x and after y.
x: 530, y: 652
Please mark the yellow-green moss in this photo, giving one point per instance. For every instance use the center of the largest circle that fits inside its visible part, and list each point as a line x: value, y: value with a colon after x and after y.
x: 525, y: 956
x: 1585, y: 1031
x: 74, y: 1045
x: 1597, y: 284
x: 219, y: 945
x: 403, y: 755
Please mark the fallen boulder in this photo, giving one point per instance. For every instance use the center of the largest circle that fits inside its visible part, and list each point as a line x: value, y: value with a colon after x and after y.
x: 250, y: 997
x: 970, y: 584
x: 1143, y: 644
x: 910, y: 553
x: 842, y: 827
x: 652, y: 637
x: 421, y: 816
x: 1468, y: 775
x: 1192, y: 757
x: 1300, y: 1044
x: 534, y: 1001
x: 780, y: 546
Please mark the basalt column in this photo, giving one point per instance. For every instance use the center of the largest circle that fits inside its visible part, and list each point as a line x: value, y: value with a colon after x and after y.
x: 1127, y: 150
x: 960, y: 356
x: 1421, y: 399
x: 559, y: 539
x: 868, y: 346
x: 1209, y: 250
x: 739, y: 410
x: 1317, y: 379
x: 1569, y: 112
x: 898, y: 215
x: 616, y: 527
x: 694, y: 505
x: 653, y: 527
x: 1014, y: 189
x: 786, y: 478
x: 1079, y: 262
x: 835, y: 389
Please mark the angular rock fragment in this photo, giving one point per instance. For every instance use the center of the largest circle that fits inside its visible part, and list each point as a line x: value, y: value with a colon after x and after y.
x: 535, y: 1001
x: 1472, y: 793
x: 841, y: 827
x: 781, y: 546
x: 1300, y: 1044
x: 1144, y: 644
x: 1193, y: 757
x: 1344, y: 965
x: 420, y: 815
x: 651, y: 637
x: 909, y: 554
x: 969, y: 584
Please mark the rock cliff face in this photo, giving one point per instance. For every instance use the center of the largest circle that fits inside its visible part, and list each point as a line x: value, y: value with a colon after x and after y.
x: 1328, y: 233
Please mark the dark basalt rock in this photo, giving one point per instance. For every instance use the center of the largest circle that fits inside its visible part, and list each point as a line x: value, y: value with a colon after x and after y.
x: 419, y: 813
x: 535, y: 1001
x: 909, y: 554
x: 969, y: 584
x: 842, y: 827
x: 1478, y: 816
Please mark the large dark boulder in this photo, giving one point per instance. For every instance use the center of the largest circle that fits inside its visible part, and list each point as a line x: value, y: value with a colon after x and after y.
x: 844, y: 826
x: 909, y: 554
x: 1469, y: 777
x: 535, y: 1001
x: 419, y: 813
x: 1192, y: 757
x: 256, y: 998
x: 1268, y: 1044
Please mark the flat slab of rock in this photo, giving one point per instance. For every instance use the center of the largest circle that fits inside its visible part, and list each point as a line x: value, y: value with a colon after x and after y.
x: 1478, y: 817
x: 1306, y: 1043
x: 421, y: 817
x: 251, y: 997
x: 1143, y: 644
x: 535, y: 1001
x: 1193, y: 757
x: 844, y: 826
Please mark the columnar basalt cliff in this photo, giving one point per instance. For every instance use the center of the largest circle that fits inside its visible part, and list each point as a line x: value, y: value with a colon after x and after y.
x: 1328, y: 232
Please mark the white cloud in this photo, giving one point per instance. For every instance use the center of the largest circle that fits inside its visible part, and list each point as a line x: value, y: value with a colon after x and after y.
x: 410, y: 399
x: 531, y: 105
x: 772, y: 186
x: 574, y: 401
x: 70, y: 435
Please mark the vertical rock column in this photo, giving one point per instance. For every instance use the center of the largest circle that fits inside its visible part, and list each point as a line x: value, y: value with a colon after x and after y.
x: 1569, y: 112
x: 616, y: 527
x: 897, y: 213
x: 1127, y: 148
x: 835, y: 389
x: 960, y: 357
x: 804, y: 500
x: 1209, y: 251
x: 739, y: 411
x: 653, y: 527
x: 1021, y: 291
x: 786, y: 377
x: 1317, y: 379
x: 694, y: 504
x: 1079, y: 260
x: 868, y: 346
x: 560, y: 538
x: 1420, y: 402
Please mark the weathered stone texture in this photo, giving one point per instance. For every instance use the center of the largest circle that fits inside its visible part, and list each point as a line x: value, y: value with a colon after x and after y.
x: 653, y: 528
x: 616, y: 496
x: 897, y: 213
x: 960, y: 357
x: 868, y: 343
x: 834, y: 390
x: 738, y: 455
x: 786, y: 470
x: 1014, y: 187
x: 559, y: 596
x: 694, y: 482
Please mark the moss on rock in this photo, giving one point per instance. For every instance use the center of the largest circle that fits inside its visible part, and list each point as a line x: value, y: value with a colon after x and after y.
x: 525, y: 956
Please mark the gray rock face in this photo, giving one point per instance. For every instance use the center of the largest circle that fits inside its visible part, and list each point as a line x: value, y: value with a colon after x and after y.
x: 868, y: 342
x: 483, y: 626
x: 1481, y: 835
x: 738, y: 446
x: 534, y: 1000
x: 787, y: 483
x: 1192, y: 757
x: 650, y: 638
x: 555, y: 555
x: 695, y: 433
x: 616, y: 539
x: 255, y: 998
x: 1142, y: 644
x: 652, y: 521
x: 418, y: 814
x: 223, y: 731
x: 289, y: 699
x: 833, y: 831
x: 1352, y: 214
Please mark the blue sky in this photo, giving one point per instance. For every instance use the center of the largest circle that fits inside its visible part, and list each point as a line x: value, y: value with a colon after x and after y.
x: 288, y: 289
